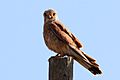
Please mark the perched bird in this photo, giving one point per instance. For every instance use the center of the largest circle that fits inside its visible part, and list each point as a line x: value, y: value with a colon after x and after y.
x: 58, y: 39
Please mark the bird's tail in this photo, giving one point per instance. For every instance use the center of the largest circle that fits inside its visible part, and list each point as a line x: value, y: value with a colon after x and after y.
x: 85, y: 60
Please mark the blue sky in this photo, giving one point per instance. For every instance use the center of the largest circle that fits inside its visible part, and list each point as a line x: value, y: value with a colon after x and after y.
x: 23, y: 54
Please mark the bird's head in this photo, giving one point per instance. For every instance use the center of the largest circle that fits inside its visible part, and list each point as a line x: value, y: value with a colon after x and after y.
x: 50, y: 15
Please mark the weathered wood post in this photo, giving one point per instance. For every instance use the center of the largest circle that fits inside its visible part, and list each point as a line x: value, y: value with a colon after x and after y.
x: 61, y: 68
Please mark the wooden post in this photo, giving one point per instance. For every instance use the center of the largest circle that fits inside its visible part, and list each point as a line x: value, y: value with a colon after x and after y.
x: 61, y: 68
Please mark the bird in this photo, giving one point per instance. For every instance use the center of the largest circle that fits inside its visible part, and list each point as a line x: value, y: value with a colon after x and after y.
x: 60, y: 40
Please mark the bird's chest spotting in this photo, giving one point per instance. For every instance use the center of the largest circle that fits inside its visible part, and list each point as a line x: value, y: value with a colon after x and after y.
x: 51, y: 40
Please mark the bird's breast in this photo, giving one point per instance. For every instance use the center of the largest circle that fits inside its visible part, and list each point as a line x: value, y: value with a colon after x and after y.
x: 52, y: 42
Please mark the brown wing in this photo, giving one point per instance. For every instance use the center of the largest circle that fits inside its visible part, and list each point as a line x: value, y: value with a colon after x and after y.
x: 60, y: 34
x: 76, y: 41
x: 66, y: 37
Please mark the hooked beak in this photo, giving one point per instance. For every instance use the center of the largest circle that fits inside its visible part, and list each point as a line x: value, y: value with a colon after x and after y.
x: 49, y: 17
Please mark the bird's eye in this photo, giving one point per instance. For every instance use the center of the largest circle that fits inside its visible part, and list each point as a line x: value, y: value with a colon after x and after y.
x: 45, y: 14
x: 53, y: 14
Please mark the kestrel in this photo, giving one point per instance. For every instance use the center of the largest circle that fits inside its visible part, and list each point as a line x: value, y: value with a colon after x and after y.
x: 63, y: 42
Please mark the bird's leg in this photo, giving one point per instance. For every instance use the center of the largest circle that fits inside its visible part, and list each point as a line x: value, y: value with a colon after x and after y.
x: 70, y: 58
x: 56, y: 56
x: 59, y: 55
x: 62, y: 55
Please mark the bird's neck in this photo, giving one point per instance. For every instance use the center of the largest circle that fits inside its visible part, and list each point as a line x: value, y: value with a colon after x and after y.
x: 47, y: 21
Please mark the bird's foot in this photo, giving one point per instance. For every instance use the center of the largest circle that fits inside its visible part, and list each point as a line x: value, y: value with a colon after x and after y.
x: 55, y: 57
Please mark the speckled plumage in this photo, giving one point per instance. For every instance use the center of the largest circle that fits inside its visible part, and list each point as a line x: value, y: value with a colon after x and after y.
x: 58, y: 39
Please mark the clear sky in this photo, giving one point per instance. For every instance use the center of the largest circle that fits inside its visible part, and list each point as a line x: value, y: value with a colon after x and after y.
x: 23, y: 54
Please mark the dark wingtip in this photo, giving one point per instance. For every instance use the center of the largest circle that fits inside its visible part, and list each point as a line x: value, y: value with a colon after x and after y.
x: 95, y: 70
